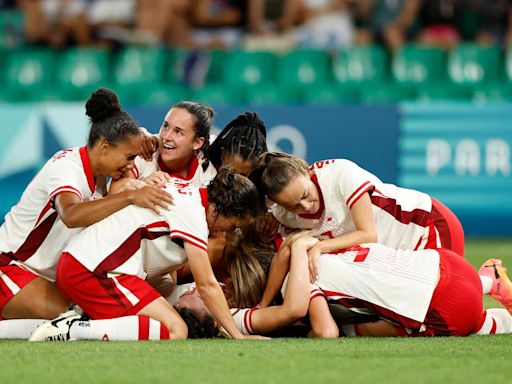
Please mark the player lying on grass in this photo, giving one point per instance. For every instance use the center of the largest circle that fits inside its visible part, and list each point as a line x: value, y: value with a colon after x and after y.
x: 66, y: 195
x: 414, y: 293
x: 344, y: 205
x: 105, y: 267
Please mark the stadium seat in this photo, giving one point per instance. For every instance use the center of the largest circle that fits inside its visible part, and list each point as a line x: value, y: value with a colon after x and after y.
x: 271, y: 94
x: 163, y: 94
x: 414, y: 65
x: 470, y: 64
x: 249, y: 68
x: 11, y: 28
x: 195, y: 68
x: 218, y: 95
x: 139, y: 66
x: 361, y: 65
x: 330, y: 94
x: 493, y: 92
x: 304, y: 68
x: 28, y: 71
x: 80, y: 71
x: 384, y: 93
x: 443, y: 92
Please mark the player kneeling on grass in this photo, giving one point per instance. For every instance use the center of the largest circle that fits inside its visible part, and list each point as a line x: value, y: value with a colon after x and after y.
x: 104, y: 269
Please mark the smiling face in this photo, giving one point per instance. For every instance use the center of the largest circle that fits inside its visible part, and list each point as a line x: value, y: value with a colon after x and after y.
x: 118, y: 158
x: 299, y: 196
x: 178, y: 139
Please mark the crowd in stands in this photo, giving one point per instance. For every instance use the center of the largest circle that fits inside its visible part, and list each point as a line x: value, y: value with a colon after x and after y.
x: 263, y: 24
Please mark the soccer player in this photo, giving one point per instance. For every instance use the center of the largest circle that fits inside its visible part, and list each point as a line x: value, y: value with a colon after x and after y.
x: 344, y: 205
x: 240, y: 144
x: 61, y: 199
x: 413, y: 293
x: 106, y: 267
x: 182, y: 142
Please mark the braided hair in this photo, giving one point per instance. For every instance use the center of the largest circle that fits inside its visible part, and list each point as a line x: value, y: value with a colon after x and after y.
x: 244, y: 136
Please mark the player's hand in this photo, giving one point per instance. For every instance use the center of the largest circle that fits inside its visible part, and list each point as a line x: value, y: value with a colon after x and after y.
x: 254, y: 337
x: 127, y: 184
x: 158, y: 179
x: 149, y: 146
x: 313, y: 254
x: 305, y: 242
x: 151, y: 197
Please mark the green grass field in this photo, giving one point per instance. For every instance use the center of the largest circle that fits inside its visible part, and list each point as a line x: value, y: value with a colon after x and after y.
x: 474, y: 359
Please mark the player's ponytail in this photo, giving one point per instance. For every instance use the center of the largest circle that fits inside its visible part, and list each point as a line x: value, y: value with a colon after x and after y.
x: 108, y: 120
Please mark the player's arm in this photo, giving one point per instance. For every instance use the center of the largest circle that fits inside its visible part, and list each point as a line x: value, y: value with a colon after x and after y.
x: 210, y: 290
x: 362, y: 215
x: 279, y: 267
x: 76, y: 213
x: 321, y: 320
x: 295, y: 304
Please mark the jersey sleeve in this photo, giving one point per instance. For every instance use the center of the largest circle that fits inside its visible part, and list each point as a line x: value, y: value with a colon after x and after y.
x: 353, y: 181
x: 187, y: 220
x: 243, y: 319
x: 64, y: 175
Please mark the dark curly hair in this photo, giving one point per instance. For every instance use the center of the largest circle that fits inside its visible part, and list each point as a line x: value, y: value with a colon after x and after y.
x: 233, y: 195
x: 198, y: 328
x: 108, y: 120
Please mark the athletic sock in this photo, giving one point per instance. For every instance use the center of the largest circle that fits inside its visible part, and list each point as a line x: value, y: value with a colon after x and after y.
x: 126, y: 328
x: 19, y: 328
x: 496, y: 321
x: 486, y: 284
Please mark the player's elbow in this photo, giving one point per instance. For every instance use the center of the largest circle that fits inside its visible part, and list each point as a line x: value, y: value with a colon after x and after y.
x: 296, y: 310
x: 71, y: 221
x: 330, y: 332
x: 178, y: 331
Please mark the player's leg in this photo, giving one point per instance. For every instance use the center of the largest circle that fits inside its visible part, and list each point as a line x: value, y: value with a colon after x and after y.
x: 122, y: 307
x: 456, y: 307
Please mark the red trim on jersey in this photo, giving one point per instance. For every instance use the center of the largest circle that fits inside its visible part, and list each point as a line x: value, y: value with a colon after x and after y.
x: 135, y: 171
x: 35, y: 239
x: 86, y: 162
x: 493, y: 329
x: 5, y: 259
x: 158, y: 224
x: 189, y: 239
x: 203, y: 192
x: 164, y: 332
x: 194, y: 163
x: 320, y: 211
x: 66, y: 188
x: 45, y: 209
x: 143, y: 328
x: 358, y: 193
x: 126, y: 250
x: 250, y: 318
x: 416, y: 216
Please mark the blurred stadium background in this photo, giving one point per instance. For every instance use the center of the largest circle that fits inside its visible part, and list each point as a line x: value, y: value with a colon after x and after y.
x: 420, y: 98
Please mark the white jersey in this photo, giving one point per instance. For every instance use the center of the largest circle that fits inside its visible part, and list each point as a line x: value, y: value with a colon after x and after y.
x: 196, y: 175
x: 402, y: 216
x: 33, y: 233
x: 139, y: 242
x: 396, y: 284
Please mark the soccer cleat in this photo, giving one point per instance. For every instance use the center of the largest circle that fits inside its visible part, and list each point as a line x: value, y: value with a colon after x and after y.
x: 56, y: 329
x: 501, y: 289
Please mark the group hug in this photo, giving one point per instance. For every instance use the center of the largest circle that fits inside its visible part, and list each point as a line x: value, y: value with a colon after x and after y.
x: 178, y: 235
